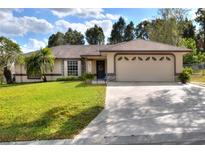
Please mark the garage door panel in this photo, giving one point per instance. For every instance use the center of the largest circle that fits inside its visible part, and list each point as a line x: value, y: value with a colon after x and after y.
x: 145, y: 68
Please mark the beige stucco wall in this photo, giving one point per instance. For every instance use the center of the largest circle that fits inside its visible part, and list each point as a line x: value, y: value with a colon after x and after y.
x: 179, y: 62
x: 110, y: 62
x: 20, y: 69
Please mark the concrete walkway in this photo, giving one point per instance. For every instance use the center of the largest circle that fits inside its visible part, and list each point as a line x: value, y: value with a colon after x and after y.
x: 149, y: 113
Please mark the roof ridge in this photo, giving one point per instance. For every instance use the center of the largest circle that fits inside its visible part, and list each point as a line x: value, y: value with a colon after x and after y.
x: 164, y: 43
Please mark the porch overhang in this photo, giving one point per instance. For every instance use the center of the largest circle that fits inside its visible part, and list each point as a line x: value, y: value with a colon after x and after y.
x: 93, y: 57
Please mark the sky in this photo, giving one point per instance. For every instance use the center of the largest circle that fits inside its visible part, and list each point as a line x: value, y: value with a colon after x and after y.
x: 31, y: 28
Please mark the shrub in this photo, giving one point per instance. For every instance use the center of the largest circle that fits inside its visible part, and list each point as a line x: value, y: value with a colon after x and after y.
x: 69, y: 78
x: 88, y: 77
x: 185, y: 76
x: 189, y: 70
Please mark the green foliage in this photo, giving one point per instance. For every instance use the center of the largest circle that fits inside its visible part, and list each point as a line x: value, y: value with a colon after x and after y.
x: 40, y: 62
x: 74, y: 37
x: 185, y: 75
x: 117, y: 33
x: 165, y: 31
x: 187, y: 29
x: 141, y: 30
x: 56, y: 39
x: 88, y: 76
x: 10, y: 53
x: 32, y: 64
x: 95, y: 35
x: 169, y: 28
x: 195, y: 57
x: 129, y: 33
x: 189, y: 70
x: 69, y: 78
x: 188, y: 43
x: 200, y: 18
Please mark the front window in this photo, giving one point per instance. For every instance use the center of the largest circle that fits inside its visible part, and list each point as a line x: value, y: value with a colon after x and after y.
x: 72, y: 68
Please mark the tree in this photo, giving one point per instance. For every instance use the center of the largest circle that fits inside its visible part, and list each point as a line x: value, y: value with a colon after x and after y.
x: 141, y: 30
x: 188, y: 29
x: 129, y: 33
x: 165, y: 31
x: 117, y: 33
x: 10, y: 53
x: 95, y: 35
x: 178, y: 13
x: 56, y: 39
x: 195, y: 57
x: 74, y: 37
x: 201, y: 20
x: 168, y: 29
x: 40, y: 63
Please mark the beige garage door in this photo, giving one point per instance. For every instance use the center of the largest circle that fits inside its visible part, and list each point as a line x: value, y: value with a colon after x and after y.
x: 144, y: 68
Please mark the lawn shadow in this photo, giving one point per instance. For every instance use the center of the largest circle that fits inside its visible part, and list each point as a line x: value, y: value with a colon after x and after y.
x: 39, y: 129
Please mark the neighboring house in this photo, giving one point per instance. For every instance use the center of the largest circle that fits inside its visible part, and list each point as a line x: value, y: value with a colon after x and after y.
x: 137, y: 60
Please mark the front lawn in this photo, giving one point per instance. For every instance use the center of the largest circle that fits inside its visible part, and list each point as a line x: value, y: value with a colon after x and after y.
x: 198, y: 76
x: 198, y: 79
x: 50, y: 110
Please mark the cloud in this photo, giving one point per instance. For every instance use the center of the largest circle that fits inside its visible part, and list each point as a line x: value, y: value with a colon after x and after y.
x: 96, y: 13
x: 112, y: 16
x: 105, y: 24
x: 62, y: 25
x: 80, y: 12
x: 19, y: 26
x: 33, y: 45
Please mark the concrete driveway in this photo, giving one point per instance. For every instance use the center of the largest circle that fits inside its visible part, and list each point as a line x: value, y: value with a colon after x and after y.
x: 148, y: 113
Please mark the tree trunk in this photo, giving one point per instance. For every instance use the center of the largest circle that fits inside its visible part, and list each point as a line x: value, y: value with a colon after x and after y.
x: 44, y: 78
x: 8, y: 76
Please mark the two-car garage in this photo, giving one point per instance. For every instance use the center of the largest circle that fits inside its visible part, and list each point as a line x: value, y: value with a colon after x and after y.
x: 144, y: 67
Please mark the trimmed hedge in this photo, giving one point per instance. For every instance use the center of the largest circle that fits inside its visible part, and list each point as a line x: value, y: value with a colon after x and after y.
x: 70, y: 78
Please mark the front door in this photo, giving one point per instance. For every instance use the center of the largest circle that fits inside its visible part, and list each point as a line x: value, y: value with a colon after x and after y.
x: 100, y: 69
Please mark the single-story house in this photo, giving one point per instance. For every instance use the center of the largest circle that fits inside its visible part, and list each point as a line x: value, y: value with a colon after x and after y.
x: 136, y: 60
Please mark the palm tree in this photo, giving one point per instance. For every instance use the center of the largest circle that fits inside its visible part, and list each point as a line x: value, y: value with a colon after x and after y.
x: 40, y: 63
x: 10, y: 53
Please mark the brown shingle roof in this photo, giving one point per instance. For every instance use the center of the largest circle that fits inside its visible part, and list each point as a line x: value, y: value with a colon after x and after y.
x: 76, y: 51
x: 145, y: 45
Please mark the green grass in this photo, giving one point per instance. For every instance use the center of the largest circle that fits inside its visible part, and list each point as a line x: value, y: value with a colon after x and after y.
x: 198, y: 79
x: 198, y: 76
x: 50, y: 110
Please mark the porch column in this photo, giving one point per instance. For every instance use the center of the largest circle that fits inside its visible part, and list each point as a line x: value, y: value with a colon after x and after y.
x: 65, y: 68
x: 88, y: 66
x: 110, y: 67
x: 79, y: 68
